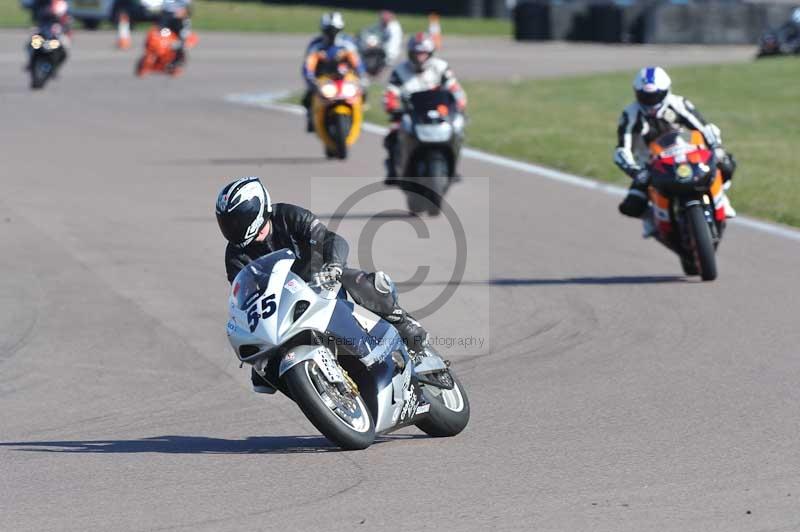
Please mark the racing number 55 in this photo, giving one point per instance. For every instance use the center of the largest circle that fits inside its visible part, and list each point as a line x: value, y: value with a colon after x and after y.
x: 268, y: 308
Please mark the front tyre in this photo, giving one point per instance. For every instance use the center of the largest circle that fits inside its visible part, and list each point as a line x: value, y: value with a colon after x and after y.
x: 702, y: 243
x: 341, y: 129
x: 40, y: 71
x: 341, y: 417
x: 449, y: 412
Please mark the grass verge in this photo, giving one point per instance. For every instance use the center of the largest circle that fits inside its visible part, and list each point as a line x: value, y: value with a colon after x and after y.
x: 257, y: 16
x: 12, y: 15
x: 217, y: 15
x: 570, y: 124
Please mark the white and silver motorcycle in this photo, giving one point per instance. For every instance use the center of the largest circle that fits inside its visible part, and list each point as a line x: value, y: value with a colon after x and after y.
x: 348, y: 370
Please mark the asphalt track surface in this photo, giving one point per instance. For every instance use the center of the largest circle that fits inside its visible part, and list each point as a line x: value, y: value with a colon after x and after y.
x: 611, y: 394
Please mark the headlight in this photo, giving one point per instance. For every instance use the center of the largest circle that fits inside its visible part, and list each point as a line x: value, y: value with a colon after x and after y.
x: 434, y: 132
x: 349, y: 90
x: 373, y: 41
x: 36, y: 42
x: 328, y: 90
x: 53, y: 44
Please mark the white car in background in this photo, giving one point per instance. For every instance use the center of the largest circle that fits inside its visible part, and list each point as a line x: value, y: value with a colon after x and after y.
x: 92, y: 12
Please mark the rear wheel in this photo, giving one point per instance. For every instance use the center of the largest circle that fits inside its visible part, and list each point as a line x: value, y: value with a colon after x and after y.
x: 703, y: 244
x: 339, y: 415
x: 449, y: 413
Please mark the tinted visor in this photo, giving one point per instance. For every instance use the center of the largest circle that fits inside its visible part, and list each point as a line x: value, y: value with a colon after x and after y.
x: 234, y: 224
x: 650, y: 98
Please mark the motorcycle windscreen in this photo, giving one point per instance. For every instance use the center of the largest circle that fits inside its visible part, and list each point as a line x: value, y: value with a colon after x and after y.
x: 676, y: 142
x: 433, y: 105
x: 253, y: 279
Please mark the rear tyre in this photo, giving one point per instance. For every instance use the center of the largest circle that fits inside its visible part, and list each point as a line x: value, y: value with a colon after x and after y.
x: 703, y: 245
x: 449, y: 413
x: 350, y: 426
x: 688, y: 265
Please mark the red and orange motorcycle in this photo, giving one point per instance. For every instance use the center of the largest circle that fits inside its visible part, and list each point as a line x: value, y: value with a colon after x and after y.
x: 686, y: 193
x: 161, y: 52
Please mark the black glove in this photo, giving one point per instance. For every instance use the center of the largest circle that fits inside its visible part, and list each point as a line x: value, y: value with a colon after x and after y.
x: 642, y: 178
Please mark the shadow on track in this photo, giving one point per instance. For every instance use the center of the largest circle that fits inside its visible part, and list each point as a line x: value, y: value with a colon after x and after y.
x: 599, y: 281
x: 195, y: 445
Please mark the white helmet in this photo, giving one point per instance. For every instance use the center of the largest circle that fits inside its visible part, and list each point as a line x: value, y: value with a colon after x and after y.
x: 331, y: 23
x: 796, y: 15
x: 651, y: 85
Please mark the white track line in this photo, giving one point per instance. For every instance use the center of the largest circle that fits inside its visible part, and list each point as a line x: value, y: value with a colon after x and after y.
x: 268, y: 100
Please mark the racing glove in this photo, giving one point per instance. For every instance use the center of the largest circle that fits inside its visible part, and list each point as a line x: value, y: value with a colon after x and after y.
x: 331, y: 272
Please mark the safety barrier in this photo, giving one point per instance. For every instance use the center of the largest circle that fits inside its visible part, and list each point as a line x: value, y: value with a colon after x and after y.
x: 647, y: 21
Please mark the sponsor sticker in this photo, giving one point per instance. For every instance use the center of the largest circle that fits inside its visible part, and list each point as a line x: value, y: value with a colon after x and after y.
x: 292, y: 286
x: 684, y: 171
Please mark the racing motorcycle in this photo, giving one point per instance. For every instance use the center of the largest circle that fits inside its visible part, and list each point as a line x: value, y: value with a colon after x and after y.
x: 46, y: 53
x: 161, y: 52
x: 370, y: 46
x: 428, y: 146
x: 686, y: 192
x: 348, y: 370
x: 337, y: 110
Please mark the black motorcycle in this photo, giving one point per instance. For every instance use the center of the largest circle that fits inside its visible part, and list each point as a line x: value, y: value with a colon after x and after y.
x: 685, y: 193
x: 370, y: 46
x: 429, y: 143
x: 46, y: 54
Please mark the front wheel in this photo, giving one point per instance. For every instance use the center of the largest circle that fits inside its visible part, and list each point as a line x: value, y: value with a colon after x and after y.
x: 449, y: 413
x: 338, y: 414
x: 40, y: 71
x: 341, y: 128
x: 702, y: 243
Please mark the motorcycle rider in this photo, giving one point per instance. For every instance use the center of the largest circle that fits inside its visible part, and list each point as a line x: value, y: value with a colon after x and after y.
x: 175, y: 17
x: 254, y: 227
x: 52, y: 16
x: 324, y: 53
x: 656, y: 111
x: 421, y: 72
x: 392, y: 35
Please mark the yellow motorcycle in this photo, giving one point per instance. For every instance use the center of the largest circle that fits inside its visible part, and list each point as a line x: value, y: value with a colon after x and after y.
x: 338, y: 112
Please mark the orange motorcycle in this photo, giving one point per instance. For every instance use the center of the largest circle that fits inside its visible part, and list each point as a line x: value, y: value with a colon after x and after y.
x: 686, y: 195
x: 161, y: 52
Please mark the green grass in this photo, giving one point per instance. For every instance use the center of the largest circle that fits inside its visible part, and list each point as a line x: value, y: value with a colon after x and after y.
x: 13, y: 16
x: 570, y: 124
x: 257, y: 16
x: 218, y: 15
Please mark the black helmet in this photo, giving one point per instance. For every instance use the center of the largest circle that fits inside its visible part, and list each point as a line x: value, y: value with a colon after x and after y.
x: 243, y: 209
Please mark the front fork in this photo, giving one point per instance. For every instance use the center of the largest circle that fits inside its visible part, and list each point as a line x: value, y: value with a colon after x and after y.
x: 716, y: 228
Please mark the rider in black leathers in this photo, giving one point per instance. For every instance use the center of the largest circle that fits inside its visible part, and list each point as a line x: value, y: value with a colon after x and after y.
x: 254, y: 227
